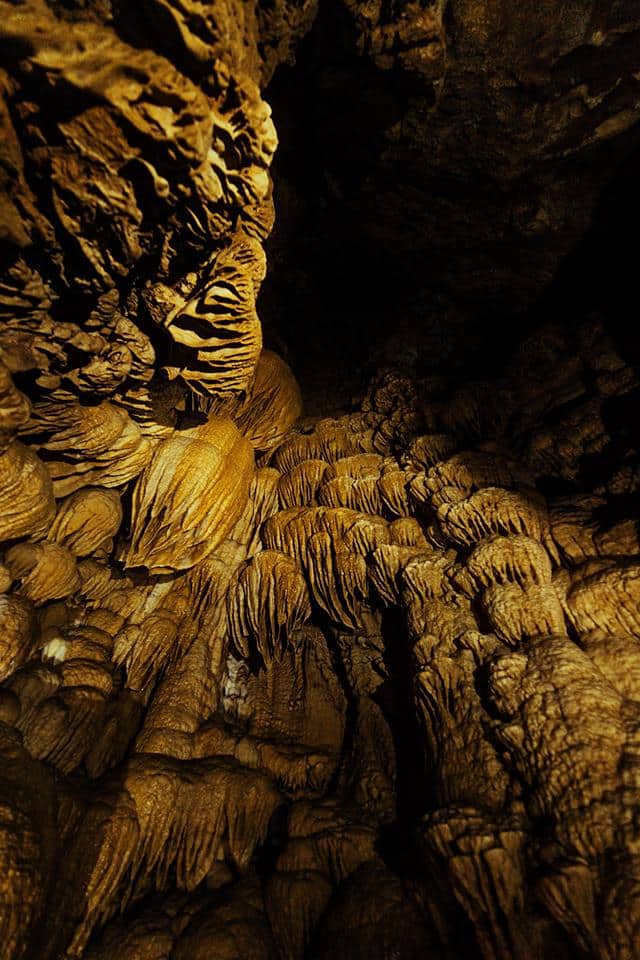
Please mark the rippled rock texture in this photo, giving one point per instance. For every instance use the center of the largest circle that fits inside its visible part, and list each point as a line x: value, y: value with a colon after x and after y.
x: 364, y: 685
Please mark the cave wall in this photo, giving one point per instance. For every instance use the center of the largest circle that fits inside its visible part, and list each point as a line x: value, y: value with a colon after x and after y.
x: 363, y: 682
x: 453, y: 157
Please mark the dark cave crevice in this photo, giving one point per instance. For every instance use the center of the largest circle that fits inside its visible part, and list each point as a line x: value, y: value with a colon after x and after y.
x: 343, y: 298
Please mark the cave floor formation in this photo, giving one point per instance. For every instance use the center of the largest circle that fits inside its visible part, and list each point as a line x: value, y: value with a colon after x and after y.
x: 319, y: 480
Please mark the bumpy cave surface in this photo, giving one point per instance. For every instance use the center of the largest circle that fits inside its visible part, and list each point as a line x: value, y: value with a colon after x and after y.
x: 319, y: 476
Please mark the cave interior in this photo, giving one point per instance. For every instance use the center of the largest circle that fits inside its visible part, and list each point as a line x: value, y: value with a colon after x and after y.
x: 319, y: 480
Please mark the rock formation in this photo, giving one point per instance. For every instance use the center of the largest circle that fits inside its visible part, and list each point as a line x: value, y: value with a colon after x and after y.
x: 355, y: 685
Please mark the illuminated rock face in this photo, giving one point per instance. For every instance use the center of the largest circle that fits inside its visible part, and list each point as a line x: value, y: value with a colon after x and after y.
x: 351, y: 686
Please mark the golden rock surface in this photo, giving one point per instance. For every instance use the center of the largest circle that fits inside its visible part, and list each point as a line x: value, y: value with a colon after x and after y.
x: 364, y: 685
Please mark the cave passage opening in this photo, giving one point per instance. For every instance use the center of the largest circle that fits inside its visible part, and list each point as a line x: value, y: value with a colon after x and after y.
x: 360, y: 273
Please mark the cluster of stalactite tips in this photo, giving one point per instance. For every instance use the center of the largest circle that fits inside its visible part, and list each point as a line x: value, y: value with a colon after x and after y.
x: 275, y: 687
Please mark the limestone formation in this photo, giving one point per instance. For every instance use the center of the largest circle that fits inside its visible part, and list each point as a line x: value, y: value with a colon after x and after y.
x: 189, y: 497
x: 360, y: 684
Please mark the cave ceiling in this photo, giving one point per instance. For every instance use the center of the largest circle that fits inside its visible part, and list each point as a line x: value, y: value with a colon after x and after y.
x: 319, y: 476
